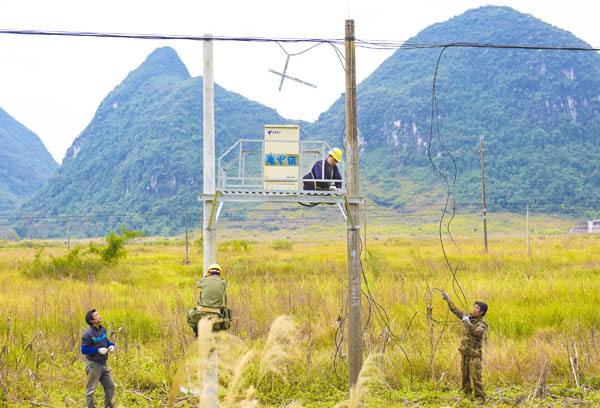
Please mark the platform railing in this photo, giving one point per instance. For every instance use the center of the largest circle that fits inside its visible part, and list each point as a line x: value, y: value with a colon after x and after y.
x: 241, y: 166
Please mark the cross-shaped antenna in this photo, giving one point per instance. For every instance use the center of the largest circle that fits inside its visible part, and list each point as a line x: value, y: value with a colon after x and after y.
x: 284, y: 76
x: 284, y: 73
x: 287, y: 61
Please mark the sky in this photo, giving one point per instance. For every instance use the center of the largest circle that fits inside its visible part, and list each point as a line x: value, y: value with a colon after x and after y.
x: 53, y: 85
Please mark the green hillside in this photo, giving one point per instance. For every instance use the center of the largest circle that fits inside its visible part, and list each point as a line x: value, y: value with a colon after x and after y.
x: 25, y: 164
x: 142, y: 152
x: 538, y: 111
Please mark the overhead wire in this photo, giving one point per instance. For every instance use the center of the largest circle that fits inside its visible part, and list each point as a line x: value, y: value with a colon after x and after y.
x: 374, y: 217
x: 449, y: 185
x: 383, y: 315
x: 360, y: 43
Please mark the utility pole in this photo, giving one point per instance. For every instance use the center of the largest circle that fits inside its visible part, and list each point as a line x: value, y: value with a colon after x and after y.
x: 364, y: 245
x: 209, y: 397
x: 187, y: 244
x: 482, y: 157
x: 208, y: 136
x: 69, y: 233
x: 355, y: 346
x: 528, y: 240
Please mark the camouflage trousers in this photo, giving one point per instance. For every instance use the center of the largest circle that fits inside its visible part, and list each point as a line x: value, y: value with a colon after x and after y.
x: 194, y: 316
x: 471, y: 371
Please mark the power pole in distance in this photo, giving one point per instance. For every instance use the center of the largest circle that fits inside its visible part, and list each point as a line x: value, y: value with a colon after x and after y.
x: 528, y: 239
x: 482, y: 157
x: 355, y: 347
x: 69, y: 233
x: 187, y: 242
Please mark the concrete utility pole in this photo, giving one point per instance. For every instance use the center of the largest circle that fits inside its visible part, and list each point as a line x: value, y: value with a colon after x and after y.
x: 187, y: 244
x: 528, y: 239
x: 355, y: 346
x: 69, y: 233
x: 482, y: 157
x: 209, y: 397
x: 208, y: 136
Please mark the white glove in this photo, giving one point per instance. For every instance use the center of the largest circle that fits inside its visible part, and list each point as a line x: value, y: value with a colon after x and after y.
x: 466, y: 319
x: 111, y: 349
x: 102, y: 350
x: 333, y: 188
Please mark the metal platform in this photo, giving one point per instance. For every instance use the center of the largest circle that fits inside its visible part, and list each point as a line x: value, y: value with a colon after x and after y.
x: 302, y: 196
x: 242, y: 177
x: 242, y: 166
x: 267, y: 196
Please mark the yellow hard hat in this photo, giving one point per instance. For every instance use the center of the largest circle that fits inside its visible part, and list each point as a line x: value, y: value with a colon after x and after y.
x: 214, y: 266
x: 336, y: 153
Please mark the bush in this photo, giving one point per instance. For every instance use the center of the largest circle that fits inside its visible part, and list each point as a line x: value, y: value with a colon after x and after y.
x: 235, y: 245
x: 78, y: 263
x: 114, y: 249
x: 281, y: 244
x: 81, y: 261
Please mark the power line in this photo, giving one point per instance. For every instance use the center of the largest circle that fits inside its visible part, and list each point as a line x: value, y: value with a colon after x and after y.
x: 373, y: 216
x: 362, y: 43
x: 376, y: 209
x: 449, y: 186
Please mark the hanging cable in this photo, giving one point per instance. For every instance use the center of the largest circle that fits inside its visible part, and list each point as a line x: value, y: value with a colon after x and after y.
x: 449, y: 186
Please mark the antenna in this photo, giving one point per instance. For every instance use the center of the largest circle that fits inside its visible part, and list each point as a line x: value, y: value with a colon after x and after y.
x: 291, y: 78
x: 284, y: 75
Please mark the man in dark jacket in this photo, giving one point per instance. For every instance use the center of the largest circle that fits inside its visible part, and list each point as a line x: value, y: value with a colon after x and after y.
x: 325, y: 170
x: 475, y: 329
x: 96, y: 346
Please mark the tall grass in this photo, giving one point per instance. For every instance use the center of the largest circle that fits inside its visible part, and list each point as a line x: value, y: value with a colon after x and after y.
x: 539, y: 307
x: 370, y: 375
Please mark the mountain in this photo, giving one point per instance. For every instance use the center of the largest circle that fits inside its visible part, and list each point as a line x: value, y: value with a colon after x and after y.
x: 539, y: 112
x: 139, y: 160
x: 142, y: 152
x: 25, y: 164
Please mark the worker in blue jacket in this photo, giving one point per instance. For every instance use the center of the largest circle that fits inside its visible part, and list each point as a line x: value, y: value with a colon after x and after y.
x: 325, y: 170
x: 96, y: 346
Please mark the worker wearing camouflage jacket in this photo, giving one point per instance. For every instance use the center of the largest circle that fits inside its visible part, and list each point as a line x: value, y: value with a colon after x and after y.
x: 212, y: 302
x: 475, y: 329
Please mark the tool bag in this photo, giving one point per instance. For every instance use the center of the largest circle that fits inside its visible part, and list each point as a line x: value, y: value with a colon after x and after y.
x: 225, y: 322
x: 225, y: 313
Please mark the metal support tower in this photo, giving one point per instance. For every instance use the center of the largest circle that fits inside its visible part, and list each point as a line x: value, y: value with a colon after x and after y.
x: 349, y: 199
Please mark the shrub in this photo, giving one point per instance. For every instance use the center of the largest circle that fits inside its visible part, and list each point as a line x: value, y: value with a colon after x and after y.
x: 78, y: 263
x: 114, y: 249
x: 81, y: 261
x: 235, y: 245
x: 281, y: 244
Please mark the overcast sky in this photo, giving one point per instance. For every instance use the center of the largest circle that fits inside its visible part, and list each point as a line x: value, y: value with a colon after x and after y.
x: 53, y: 85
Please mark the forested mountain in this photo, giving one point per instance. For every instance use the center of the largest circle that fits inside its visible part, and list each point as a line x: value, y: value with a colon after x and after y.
x: 538, y: 111
x: 142, y: 152
x: 25, y: 164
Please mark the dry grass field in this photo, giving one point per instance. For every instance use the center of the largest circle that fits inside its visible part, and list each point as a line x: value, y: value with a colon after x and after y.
x: 543, y: 347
